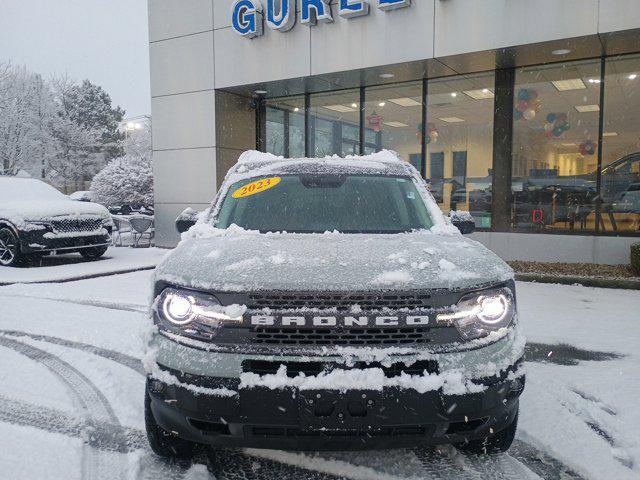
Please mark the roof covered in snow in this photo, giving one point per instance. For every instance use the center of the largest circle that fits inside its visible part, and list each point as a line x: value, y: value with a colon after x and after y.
x: 253, y: 164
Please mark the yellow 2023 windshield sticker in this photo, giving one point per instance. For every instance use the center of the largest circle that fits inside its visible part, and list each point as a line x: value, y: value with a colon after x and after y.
x: 256, y: 187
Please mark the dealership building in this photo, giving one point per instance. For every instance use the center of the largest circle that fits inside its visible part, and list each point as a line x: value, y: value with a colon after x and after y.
x: 525, y: 113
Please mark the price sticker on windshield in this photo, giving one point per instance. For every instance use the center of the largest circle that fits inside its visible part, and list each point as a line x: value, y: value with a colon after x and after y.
x: 256, y: 187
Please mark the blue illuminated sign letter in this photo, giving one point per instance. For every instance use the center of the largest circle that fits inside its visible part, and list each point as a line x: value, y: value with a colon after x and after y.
x: 314, y: 11
x: 353, y: 8
x: 393, y: 4
x: 282, y: 18
x: 246, y: 18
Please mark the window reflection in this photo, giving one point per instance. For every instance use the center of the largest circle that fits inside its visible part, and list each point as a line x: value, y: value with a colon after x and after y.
x: 621, y: 146
x: 459, y: 136
x: 284, y: 127
x: 555, y: 147
x: 334, y: 123
x: 393, y: 120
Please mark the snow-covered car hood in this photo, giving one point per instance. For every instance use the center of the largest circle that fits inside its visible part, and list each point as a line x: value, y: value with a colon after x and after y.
x: 235, y: 260
x: 21, y: 212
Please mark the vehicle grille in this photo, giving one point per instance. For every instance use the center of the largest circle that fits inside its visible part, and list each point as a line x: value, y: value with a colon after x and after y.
x: 72, y: 225
x: 329, y: 336
x: 340, y: 301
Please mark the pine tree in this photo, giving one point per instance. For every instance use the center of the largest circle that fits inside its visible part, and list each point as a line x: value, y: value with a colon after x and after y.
x: 90, y: 107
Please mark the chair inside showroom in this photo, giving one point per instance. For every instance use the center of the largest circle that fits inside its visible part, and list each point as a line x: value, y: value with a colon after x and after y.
x: 121, y: 225
x: 141, y: 227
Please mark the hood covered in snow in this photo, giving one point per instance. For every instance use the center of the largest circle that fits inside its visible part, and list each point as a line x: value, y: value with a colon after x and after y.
x: 235, y: 260
x: 20, y: 212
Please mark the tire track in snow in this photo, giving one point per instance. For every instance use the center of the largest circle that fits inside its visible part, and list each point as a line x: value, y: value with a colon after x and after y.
x: 102, y: 436
x: 542, y: 464
x: 522, y: 461
x: 439, y: 462
x: 124, y: 307
x: 250, y: 464
x: 86, y: 395
x: 128, y: 361
x: 595, y: 413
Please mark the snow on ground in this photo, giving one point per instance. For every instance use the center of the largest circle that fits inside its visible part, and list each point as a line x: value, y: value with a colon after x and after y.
x: 71, y: 402
x: 73, y: 266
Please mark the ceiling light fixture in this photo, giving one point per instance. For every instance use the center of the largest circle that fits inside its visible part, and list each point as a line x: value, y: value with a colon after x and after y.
x: 570, y: 84
x: 610, y: 134
x: 387, y: 75
x: 587, y: 108
x: 452, y: 119
x: 633, y: 76
x: 594, y: 80
x: 260, y: 92
x: 405, y: 102
x: 382, y: 104
x: 560, y: 51
x: 396, y: 124
x: 479, y: 94
x: 296, y: 109
x: 454, y: 94
x: 339, y: 108
x: 354, y: 105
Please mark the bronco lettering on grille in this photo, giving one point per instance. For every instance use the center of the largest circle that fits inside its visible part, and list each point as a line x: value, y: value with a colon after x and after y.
x: 335, y: 321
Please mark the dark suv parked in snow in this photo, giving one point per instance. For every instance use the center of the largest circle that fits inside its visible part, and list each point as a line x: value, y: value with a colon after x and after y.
x: 36, y: 219
x: 327, y: 304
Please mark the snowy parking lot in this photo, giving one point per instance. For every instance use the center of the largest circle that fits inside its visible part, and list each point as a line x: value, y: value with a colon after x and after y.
x: 71, y: 393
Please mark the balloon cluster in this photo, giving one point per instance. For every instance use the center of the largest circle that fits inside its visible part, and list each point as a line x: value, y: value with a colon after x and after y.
x: 374, y: 122
x: 527, y: 104
x: 556, y: 125
x: 432, y: 133
x: 587, y: 148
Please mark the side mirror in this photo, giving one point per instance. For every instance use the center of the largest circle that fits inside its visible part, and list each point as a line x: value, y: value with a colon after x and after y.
x: 463, y: 221
x: 186, y: 220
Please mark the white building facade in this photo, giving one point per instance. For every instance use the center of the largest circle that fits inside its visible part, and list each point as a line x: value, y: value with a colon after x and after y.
x: 524, y: 113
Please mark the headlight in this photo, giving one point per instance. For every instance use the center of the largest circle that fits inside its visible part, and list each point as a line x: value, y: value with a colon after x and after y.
x: 195, y: 314
x: 478, y: 314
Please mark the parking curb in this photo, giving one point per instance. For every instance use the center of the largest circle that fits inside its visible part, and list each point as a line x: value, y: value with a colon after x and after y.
x: 619, y: 283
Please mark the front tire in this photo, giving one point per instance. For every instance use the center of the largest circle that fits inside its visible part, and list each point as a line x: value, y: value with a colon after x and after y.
x: 10, y: 255
x: 163, y: 443
x: 497, y: 443
x: 94, y: 253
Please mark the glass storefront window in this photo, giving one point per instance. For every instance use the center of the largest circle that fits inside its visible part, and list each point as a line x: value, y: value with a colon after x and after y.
x: 555, y: 134
x: 393, y: 120
x: 621, y: 146
x: 459, y: 137
x: 334, y: 123
x: 285, y: 126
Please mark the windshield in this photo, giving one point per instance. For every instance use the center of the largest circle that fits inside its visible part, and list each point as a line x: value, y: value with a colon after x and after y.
x: 27, y: 190
x: 321, y: 203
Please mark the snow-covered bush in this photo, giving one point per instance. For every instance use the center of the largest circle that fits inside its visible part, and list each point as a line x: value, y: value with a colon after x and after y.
x: 126, y: 180
x: 635, y: 258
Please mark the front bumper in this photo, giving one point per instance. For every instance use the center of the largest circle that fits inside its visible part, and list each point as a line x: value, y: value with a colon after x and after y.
x: 284, y: 419
x: 292, y: 419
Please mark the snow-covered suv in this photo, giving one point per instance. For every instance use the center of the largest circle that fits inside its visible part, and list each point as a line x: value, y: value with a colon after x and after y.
x: 327, y: 304
x: 36, y: 219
